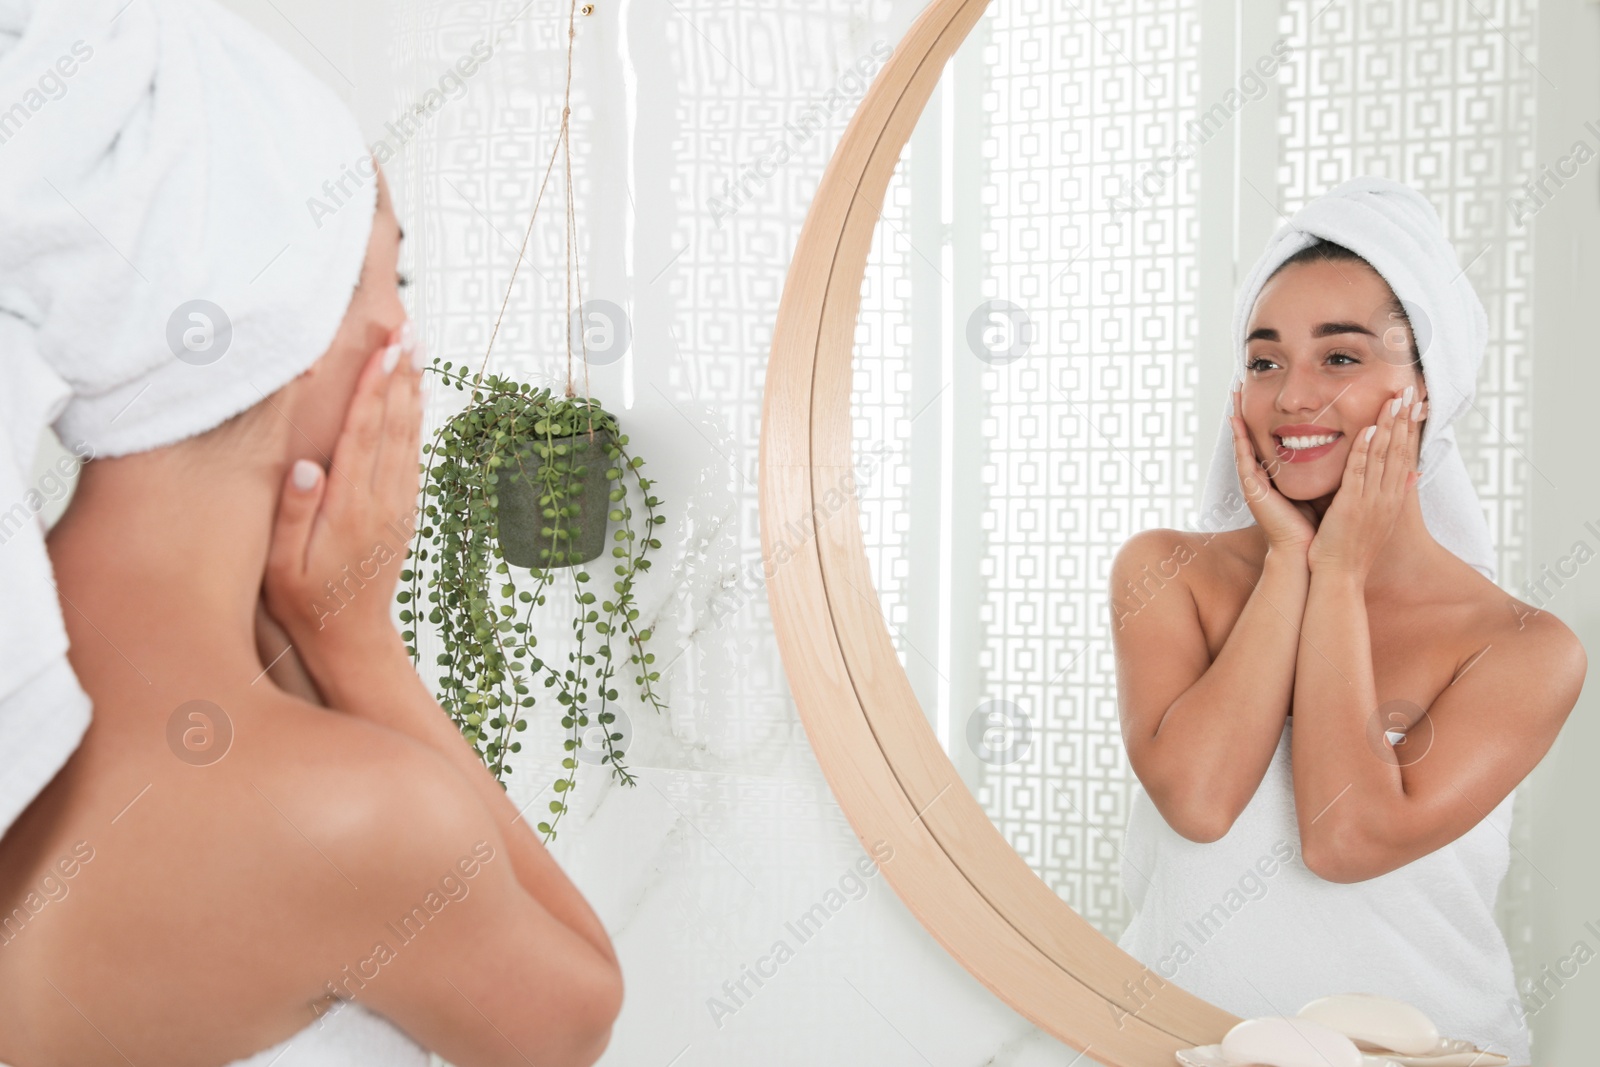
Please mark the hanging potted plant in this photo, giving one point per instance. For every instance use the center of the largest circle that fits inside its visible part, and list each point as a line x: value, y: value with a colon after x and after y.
x: 521, y: 489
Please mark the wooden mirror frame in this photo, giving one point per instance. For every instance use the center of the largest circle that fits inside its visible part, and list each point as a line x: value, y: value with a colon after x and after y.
x: 950, y: 865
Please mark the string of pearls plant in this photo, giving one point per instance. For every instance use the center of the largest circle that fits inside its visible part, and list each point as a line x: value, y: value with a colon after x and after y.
x: 523, y: 478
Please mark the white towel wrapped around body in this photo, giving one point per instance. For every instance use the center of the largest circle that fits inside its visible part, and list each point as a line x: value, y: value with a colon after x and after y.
x: 184, y: 213
x: 1208, y: 917
x: 1242, y: 923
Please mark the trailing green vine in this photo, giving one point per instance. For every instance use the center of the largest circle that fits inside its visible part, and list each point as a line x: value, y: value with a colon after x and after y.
x: 459, y: 581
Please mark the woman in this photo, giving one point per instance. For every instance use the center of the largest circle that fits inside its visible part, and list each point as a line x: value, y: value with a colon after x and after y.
x: 1424, y: 693
x: 222, y: 902
x: 225, y: 869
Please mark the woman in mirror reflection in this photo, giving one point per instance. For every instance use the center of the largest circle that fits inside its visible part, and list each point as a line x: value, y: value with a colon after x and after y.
x: 1327, y: 700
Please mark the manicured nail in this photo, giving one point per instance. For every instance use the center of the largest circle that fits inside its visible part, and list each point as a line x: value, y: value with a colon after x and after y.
x: 419, y: 356
x: 1405, y: 398
x: 1370, y: 431
x: 1394, y: 406
x: 408, y: 336
x: 391, y: 356
x: 306, y: 474
x: 1416, y: 411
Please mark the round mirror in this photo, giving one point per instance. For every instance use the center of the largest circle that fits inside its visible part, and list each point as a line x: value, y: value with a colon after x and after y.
x: 994, y: 364
x: 889, y: 770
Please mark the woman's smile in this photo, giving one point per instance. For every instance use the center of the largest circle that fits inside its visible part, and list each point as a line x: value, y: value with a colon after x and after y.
x: 1305, y: 447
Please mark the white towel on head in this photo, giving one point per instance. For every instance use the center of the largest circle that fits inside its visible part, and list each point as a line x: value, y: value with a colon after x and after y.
x: 184, y: 212
x: 1395, y: 229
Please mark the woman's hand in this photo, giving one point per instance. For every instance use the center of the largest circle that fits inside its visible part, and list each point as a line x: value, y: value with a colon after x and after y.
x: 1288, y: 524
x: 1379, y: 471
x: 340, y: 538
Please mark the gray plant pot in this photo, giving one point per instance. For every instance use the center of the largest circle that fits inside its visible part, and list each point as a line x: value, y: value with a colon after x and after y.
x: 521, y: 519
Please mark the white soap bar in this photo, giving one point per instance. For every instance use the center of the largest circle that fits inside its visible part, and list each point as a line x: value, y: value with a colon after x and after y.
x: 1392, y: 1024
x: 1277, y: 1041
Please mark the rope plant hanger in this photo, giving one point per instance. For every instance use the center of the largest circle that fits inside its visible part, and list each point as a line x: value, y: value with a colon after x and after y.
x: 563, y: 148
x: 522, y: 478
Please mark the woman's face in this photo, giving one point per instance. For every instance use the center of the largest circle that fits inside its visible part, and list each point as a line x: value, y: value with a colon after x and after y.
x: 1323, y: 354
x: 321, y: 395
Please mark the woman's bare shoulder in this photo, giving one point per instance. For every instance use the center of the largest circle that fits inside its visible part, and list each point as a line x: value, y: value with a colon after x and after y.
x: 248, y: 882
x: 1552, y: 652
x: 1198, y: 557
x: 1245, y: 541
x: 360, y: 809
x: 1462, y: 600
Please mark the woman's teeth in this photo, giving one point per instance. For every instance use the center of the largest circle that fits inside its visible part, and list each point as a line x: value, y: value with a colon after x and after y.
x: 1299, y: 443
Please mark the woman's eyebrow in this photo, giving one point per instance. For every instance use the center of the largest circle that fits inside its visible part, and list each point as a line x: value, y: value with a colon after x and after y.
x: 1326, y: 329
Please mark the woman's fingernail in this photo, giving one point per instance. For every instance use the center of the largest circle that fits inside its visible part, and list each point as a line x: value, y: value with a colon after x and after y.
x: 1370, y: 431
x: 391, y: 356
x: 1394, y: 406
x: 419, y: 356
x: 306, y: 474
x: 1405, y: 398
x: 1416, y: 411
x: 408, y: 336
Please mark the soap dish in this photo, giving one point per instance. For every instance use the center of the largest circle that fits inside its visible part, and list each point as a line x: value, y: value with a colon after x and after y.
x: 1450, y: 1053
x: 1211, y: 1056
